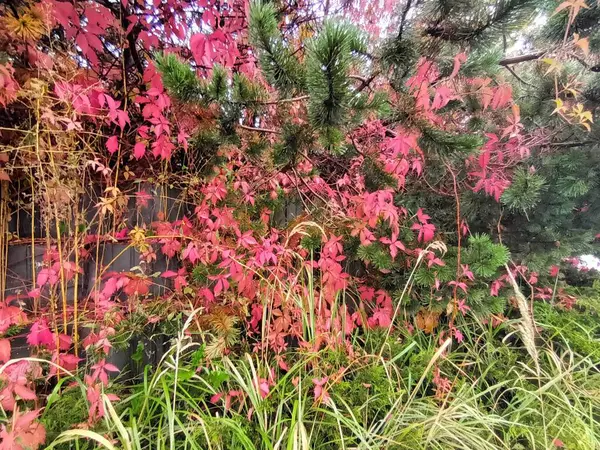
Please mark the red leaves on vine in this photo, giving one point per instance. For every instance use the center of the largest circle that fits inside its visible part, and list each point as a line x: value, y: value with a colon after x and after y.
x: 426, y: 230
x: 320, y: 389
x: 136, y: 285
x: 94, y: 397
x: 23, y: 433
x: 112, y: 144
x: 5, y: 349
x: 394, y: 244
x: 216, y: 47
x: 459, y: 59
x: 221, y: 283
x: 191, y: 253
x: 100, y: 371
x: 8, y: 85
x: 502, y: 96
x: 16, y: 383
x: 179, y: 278
x: 40, y: 334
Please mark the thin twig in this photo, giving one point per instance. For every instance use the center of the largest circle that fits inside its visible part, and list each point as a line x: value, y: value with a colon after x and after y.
x: 260, y: 130
x: 285, y: 100
x: 514, y: 74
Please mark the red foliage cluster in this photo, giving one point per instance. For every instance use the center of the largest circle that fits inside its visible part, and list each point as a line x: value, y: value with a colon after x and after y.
x: 259, y: 271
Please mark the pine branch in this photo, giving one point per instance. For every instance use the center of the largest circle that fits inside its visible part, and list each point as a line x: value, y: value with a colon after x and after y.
x: 472, y: 23
x: 328, y: 61
x: 276, y: 60
x: 522, y: 58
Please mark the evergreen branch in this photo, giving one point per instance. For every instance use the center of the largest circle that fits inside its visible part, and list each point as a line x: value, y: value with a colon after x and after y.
x: 328, y: 61
x: 179, y: 79
x: 270, y: 102
x: 276, y: 60
x: 459, y: 22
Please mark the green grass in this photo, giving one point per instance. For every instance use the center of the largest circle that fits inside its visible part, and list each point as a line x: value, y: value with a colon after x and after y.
x: 498, y: 399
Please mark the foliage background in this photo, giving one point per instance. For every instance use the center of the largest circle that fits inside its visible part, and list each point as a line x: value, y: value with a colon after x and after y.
x: 336, y: 226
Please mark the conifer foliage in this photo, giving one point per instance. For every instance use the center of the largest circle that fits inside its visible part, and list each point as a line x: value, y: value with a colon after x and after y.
x: 439, y: 177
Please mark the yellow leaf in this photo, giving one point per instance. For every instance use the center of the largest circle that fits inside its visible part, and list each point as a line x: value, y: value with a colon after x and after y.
x: 559, y: 106
x: 573, y: 92
x: 577, y: 109
x: 586, y: 115
x: 553, y: 65
x: 583, y: 44
x: 573, y: 5
x: 427, y: 320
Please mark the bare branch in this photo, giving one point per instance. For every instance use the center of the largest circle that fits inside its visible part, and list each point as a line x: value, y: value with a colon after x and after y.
x: 260, y: 130
x: 522, y: 58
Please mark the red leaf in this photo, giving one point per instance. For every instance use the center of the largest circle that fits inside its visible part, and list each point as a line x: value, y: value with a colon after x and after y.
x: 170, y: 247
x: 83, y: 44
x: 191, y: 253
x: 502, y: 96
x: 23, y: 433
x: 65, y: 14
x: 320, y: 390
x: 111, y: 367
x: 443, y: 95
x: 40, y: 334
x: 139, y: 150
x: 426, y: 231
x: 163, y: 147
x: 458, y: 60
x: 112, y: 144
x: 24, y: 392
x: 8, y: 85
x: 69, y: 361
x: 402, y: 143
x: 137, y: 286
x: 423, y: 218
x: 4, y: 350
x: 197, y: 45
